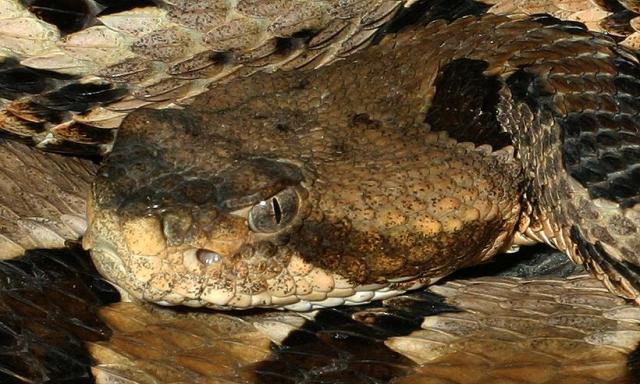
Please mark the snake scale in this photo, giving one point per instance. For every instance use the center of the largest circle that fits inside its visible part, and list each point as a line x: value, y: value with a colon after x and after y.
x: 351, y: 174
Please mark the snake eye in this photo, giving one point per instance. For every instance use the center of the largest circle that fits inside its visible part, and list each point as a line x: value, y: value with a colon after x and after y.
x: 275, y: 213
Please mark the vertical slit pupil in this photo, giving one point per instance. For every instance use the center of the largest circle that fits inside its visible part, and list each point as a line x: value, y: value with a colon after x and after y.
x: 277, y: 210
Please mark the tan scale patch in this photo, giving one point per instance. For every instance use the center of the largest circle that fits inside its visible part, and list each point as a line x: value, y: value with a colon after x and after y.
x: 524, y: 331
x: 144, y: 236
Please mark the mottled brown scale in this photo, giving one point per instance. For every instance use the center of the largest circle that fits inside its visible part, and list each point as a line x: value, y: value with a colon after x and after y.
x: 207, y: 41
x: 384, y: 138
x: 370, y: 195
x: 381, y: 199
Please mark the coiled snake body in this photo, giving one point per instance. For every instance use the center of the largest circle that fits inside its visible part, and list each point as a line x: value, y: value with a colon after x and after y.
x: 349, y: 196
x: 457, y: 136
x: 351, y: 174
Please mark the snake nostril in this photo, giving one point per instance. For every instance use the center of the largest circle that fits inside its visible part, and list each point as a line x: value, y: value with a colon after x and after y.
x: 208, y: 257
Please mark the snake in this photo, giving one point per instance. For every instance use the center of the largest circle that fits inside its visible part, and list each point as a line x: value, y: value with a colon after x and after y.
x: 336, y: 154
x: 348, y: 183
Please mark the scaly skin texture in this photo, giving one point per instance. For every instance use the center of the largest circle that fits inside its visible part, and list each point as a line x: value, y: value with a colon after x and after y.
x: 42, y: 198
x: 158, y: 56
x: 591, y: 313
x: 344, y: 243
x: 540, y: 330
x: 71, y: 73
x: 535, y: 330
x: 349, y: 144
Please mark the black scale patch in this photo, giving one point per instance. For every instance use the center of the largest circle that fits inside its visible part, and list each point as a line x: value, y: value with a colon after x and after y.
x: 601, y: 150
x: 539, y: 260
x: 48, y: 302
x: 43, y: 97
x: 619, y: 23
x: 68, y: 15
x: 71, y: 16
x: 346, y: 344
x: 53, y: 108
x: 465, y: 104
x: 633, y: 364
x: 17, y: 80
x: 609, y: 5
x: 115, y: 6
x: 426, y: 11
x: 548, y: 20
x: 611, y: 266
x: 80, y: 97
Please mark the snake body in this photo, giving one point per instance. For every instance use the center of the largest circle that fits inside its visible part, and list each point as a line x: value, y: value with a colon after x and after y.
x: 351, y: 174
x: 71, y: 71
x: 564, y: 97
x: 320, y: 188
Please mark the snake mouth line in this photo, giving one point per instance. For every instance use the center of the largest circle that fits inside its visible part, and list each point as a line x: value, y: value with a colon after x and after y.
x: 323, y: 290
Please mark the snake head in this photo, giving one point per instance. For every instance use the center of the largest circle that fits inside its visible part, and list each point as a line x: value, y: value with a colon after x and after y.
x: 198, y: 227
x: 256, y: 200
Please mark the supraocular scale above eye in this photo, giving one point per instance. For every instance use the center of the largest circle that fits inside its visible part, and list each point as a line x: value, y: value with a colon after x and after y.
x: 275, y: 213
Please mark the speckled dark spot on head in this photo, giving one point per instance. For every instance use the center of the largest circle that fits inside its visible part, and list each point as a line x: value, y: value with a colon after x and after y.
x: 302, y: 84
x: 253, y: 180
x: 363, y: 120
x: 283, y: 127
x: 199, y: 191
x: 341, y: 148
x: 465, y: 104
x: 371, y: 257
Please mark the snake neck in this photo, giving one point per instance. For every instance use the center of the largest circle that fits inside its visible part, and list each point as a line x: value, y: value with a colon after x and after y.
x: 577, y: 139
